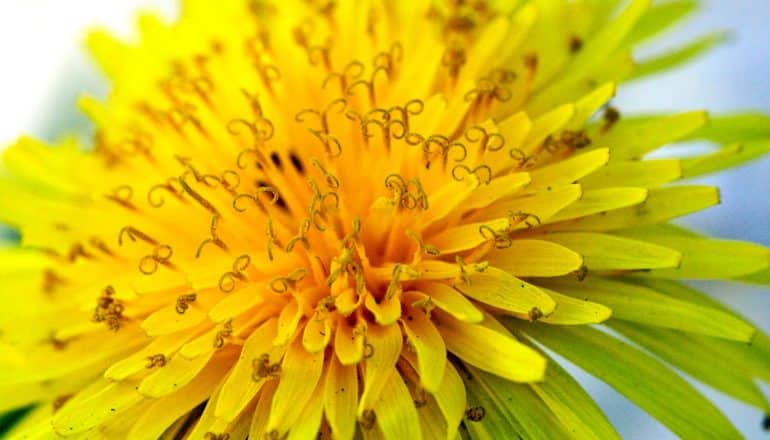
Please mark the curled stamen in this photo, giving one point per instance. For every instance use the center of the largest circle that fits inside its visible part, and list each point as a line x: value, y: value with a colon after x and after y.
x: 230, y: 180
x: 156, y: 360
x: 463, y: 149
x: 396, y: 183
x: 331, y: 180
x: 427, y: 249
x: 523, y: 160
x: 290, y: 281
x: 465, y: 273
x: 195, y: 195
x: 328, y: 141
x: 516, y: 217
x: 122, y: 195
x: 183, y: 302
x: 301, y: 237
x: 261, y: 129
x: 483, y: 172
x: 255, y: 198
x: 159, y: 201
x: 270, y: 239
x: 133, y: 234
x: 149, y: 264
x: 500, y: 240
x: 454, y: 58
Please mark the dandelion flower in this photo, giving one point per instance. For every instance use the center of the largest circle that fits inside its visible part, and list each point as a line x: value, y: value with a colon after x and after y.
x: 369, y: 219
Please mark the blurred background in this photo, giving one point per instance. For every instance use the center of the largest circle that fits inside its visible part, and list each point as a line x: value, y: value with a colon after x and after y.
x: 45, y: 68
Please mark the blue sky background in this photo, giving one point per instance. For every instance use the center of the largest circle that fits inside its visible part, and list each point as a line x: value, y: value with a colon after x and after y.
x: 45, y: 69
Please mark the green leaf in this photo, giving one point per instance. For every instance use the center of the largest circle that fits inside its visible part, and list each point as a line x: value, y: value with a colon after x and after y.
x: 639, y: 304
x: 700, y: 358
x: 638, y: 376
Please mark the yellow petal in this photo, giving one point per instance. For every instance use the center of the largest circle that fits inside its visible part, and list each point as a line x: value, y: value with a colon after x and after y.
x: 163, y: 412
x: 317, y: 334
x: 492, y: 351
x: 387, y: 311
x: 499, y: 188
x: 601, y: 200
x: 94, y: 406
x: 662, y: 204
x: 647, y: 306
x: 429, y: 347
x: 704, y: 258
x: 506, y: 292
x: 573, y: 311
x: 395, y: 411
x: 167, y: 320
x: 547, y: 124
x: 240, y: 387
x: 166, y: 345
x: 384, y: 351
x: 300, y: 372
x: 177, y: 372
x: 633, y: 138
x: 348, y: 343
x: 535, y: 258
x: 451, y: 400
x: 309, y: 422
x: 341, y: 399
x: 609, y: 252
x: 542, y: 205
x: 646, y: 173
x: 567, y: 171
x: 448, y: 299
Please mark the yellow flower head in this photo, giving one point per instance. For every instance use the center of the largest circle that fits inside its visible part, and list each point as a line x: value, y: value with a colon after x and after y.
x: 367, y: 219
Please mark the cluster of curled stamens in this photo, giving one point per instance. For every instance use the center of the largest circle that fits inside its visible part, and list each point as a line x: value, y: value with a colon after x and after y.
x: 500, y: 239
x: 523, y: 160
x: 183, y: 302
x: 156, y: 360
x: 108, y: 309
x: 407, y: 194
x: 262, y: 368
x: 289, y: 282
x: 224, y: 333
x: 227, y: 281
x: 568, y: 139
x: 517, y: 217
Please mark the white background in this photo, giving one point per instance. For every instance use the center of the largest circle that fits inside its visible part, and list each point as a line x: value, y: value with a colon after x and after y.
x: 43, y: 68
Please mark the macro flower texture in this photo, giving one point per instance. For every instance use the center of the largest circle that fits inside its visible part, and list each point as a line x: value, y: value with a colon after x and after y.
x: 374, y: 219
